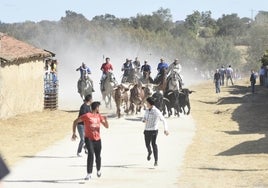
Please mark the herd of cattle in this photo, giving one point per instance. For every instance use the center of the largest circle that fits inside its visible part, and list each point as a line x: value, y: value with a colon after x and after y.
x: 131, y: 98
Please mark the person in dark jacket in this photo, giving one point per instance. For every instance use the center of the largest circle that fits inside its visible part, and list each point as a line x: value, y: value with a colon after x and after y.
x: 217, y: 81
x: 252, y: 79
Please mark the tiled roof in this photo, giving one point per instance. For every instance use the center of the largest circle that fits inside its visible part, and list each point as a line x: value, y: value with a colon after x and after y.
x: 13, y: 50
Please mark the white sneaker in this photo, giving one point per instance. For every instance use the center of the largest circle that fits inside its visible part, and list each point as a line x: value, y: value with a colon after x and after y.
x: 88, y: 177
x: 99, y: 174
x: 79, y: 155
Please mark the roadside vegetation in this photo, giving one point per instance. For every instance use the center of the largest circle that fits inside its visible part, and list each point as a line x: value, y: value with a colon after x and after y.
x: 198, y: 40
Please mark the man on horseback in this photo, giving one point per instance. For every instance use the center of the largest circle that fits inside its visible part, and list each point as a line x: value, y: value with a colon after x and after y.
x: 162, y: 66
x: 136, y: 64
x: 175, y: 69
x: 84, y: 72
x: 127, y: 68
x: 145, y: 69
x: 105, y: 68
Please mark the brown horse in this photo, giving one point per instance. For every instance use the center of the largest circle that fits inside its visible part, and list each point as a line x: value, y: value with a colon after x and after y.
x: 161, y: 81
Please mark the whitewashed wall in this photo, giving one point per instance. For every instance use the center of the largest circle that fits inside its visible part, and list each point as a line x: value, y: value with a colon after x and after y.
x: 21, y: 88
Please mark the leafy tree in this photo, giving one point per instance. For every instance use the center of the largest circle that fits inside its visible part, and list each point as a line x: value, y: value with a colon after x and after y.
x: 192, y: 22
x: 218, y: 51
x: 74, y: 23
x: 160, y: 20
x: 264, y: 58
x: 230, y: 25
x: 257, y: 40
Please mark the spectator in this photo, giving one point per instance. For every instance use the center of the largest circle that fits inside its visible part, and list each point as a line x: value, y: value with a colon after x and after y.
x: 229, y: 75
x: 85, y: 108
x: 92, y: 122
x: 217, y: 81
x: 222, y: 72
x: 151, y: 119
x: 253, y: 77
x: 262, y: 75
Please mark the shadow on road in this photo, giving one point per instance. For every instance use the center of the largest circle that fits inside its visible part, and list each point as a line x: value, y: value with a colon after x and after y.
x: 251, y: 117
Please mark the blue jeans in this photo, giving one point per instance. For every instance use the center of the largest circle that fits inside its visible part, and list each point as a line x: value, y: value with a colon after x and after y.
x: 80, y: 128
x: 218, y: 86
x: 252, y: 87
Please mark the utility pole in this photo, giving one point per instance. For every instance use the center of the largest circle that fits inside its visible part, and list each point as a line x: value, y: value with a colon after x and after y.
x: 252, y: 12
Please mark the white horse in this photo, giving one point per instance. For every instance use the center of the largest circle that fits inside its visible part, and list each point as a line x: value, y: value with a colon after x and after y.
x: 109, y: 83
x: 84, y: 86
x: 174, y: 82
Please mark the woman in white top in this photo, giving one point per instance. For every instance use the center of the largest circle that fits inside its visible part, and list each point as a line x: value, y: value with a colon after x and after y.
x: 151, y: 118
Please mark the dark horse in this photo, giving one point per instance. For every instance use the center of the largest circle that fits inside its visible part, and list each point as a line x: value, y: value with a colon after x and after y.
x: 133, y: 77
x: 109, y: 84
x: 161, y: 81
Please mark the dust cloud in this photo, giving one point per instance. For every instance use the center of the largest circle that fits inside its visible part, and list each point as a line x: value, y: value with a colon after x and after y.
x: 71, y: 56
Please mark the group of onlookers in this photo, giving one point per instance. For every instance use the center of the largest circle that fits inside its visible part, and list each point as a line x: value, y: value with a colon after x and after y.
x: 263, y: 77
x: 220, y: 74
x: 223, y: 74
x: 50, y: 77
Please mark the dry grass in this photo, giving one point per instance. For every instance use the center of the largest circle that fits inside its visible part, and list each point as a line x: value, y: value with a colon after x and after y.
x: 26, y: 134
x: 230, y: 146
x: 229, y: 149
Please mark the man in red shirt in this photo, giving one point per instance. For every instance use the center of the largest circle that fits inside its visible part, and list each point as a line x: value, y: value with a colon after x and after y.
x: 92, y: 122
x: 105, y: 67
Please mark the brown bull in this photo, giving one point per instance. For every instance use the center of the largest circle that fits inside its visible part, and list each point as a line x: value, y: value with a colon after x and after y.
x: 138, y: 95
x: 121, y: 98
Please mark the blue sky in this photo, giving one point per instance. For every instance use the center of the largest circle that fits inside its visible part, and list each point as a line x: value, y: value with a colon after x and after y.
x: 33, y: 10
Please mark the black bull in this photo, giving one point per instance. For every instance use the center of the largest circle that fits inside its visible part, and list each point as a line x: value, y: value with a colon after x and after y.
x: 173, y: 99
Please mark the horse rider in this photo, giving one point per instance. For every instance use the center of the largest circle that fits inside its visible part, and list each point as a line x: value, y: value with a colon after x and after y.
x: 127, y: 67
x: 160, y: 68
x: 105, y: 68
x: 136, y: 64
x: 84, y: 72
x: 175, y: 68
x: 146, y: 69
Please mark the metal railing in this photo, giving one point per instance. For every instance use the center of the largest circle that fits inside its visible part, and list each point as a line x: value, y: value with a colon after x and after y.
x: 50, y: 92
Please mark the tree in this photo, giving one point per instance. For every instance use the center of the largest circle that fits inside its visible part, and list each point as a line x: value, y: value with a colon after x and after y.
x: 230, y: 25
x: 218, y: 51
x: 160, y: 20
x: 74, y: 23
x: 192, y: 22
x: 264, y: 58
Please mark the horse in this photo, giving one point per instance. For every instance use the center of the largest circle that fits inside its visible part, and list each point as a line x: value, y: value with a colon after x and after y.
x: 133, y: 77
x: 174, y: 82
x: 109, y: 84
x: 161, y: 81
x: 84, y: 86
